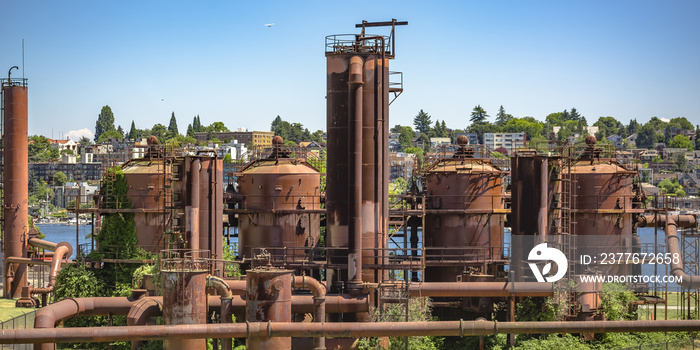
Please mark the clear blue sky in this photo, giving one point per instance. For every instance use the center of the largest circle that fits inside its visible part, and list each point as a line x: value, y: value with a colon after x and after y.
x: 146, y: 59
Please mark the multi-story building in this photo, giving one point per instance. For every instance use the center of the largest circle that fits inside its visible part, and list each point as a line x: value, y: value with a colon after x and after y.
x: 63, y: 145
x: 402, y: 165
x: 505, y: 140
x: 248, y: 138
x: 70, y: 192
x: 616, y: 140
x: 74, y: 171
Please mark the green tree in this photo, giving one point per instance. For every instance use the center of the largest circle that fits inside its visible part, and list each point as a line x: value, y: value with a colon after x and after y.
x: 40, y: 150
x: 607, y: 126
x: 669, y: 186
x: 646, y: 136
x: 197, y: 124
x: 84, y: 141
x: 680, y: 141
x: 172, y: 127
x: 133, y: 132
x: 112, y: 134
x: 190, y: 130
x: 275, y: 122
x: 105, y: 122
x: 422, y: 122
x: 59, y: 178
x: 528, y: 125
x: 440, y: 129
x: 478, y: 115
x: 406, y: 134
x: 481, y: 128
x: 317, y: 136
x: 680, y: 163
x: 159, y: 131
x: 502, y: 117
x: 217, y: 127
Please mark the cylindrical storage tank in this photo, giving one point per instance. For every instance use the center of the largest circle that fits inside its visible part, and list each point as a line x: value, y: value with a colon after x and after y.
x: 184, y: 294
x: 269, y: 298
x: 464, y: 200
x: 281, y: 200
x: 16, y: 186
x: 375, y: 171
x: 602, y: 204
x: 145, y: 180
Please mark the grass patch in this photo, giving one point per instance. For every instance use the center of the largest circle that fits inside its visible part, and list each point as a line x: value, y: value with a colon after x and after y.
x: 8, y: 309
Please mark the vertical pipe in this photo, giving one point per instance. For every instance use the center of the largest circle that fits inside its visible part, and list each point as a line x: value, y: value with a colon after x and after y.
x: 544, y: 194
x: 268, y: 298
x: 319, y: 292
x: 355, y: 169
x: 16, y: 188
x: 193, y: 209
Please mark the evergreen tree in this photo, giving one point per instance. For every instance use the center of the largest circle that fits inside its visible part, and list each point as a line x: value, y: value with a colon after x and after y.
x: 172, y: 127
x: 502, y: 117
x: 120, y: 131
x: 422, y: 122
x: 633, y: 127
x: 190, y: 131
x: 197, y: 124
x: 478, y: 115
x: 275, y: 123
x: 105, y: 122
x: 133, y: 132
x: 573, y: 115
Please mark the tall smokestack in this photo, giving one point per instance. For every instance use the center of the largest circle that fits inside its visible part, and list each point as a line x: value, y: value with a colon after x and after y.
x: 16, y: 183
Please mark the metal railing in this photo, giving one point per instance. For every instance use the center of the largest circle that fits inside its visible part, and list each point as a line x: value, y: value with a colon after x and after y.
x: 353, y: 43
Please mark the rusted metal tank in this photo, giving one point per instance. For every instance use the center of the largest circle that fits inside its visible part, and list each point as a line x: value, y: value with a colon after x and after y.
x: 145, y: 180
x: 16, y: 184
x: 465, y: 200
x: 373, y: 110
x: 181, y: 194
x: 280, y: 208
x: 184, y: 293
x: 269, y: 298
x: 602, y: 206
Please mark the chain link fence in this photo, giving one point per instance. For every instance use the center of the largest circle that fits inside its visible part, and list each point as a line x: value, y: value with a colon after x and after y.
x: 19, y: 322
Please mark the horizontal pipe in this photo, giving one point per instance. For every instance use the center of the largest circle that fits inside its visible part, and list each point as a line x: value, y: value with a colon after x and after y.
x: 237, y: 286
x: 338, y: 330
x: 659, y: 220
x: 40, y: 243
x: 481, y: 289
x: 28, y: 261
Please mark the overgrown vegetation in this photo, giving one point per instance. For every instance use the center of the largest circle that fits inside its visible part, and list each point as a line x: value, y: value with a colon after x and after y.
x: 117, y: 239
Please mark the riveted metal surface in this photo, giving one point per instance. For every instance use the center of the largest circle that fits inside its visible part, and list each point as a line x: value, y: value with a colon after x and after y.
x: 462, y: 184
x: 281, y: 184
x: 269, y: 298
x: 16, y: 186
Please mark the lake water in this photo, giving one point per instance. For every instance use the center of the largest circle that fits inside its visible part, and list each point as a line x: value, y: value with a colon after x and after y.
x: 60, y: 233
x: 65, y: 233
